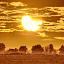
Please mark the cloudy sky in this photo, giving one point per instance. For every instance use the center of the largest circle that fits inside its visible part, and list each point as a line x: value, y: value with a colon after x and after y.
x: 40, y: 3
x: 51, y: 31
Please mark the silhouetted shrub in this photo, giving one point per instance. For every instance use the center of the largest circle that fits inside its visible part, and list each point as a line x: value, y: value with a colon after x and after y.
x: 2, y: 46
x: 37, y: 49
x: 51, y: 48
x: 61, y: 49
x: 23, y: 49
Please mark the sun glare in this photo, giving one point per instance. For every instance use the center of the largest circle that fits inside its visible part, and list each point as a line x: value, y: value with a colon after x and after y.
x: 29, y: 24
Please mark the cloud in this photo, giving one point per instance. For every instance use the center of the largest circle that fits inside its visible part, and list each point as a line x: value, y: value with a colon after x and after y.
x: 60, y: 38
x: 18, y: 4
x: 13, y: 12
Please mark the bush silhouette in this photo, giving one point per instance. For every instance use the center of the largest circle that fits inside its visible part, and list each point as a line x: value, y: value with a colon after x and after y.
x: 51, y: 48
x: 62, y: 49
x: 23, y: 49
x: 37, y: 49
x: 2, y: 46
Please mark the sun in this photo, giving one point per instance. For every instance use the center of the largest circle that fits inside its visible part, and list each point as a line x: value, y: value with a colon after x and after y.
x: 30, y: 24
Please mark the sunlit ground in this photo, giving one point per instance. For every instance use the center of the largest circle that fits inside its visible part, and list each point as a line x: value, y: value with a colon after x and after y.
x: 30, y: 24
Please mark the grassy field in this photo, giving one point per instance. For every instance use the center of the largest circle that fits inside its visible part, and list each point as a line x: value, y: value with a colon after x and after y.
x: 32, y: 59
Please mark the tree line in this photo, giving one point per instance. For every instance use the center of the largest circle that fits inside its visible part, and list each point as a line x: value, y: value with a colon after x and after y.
x: 36, y: 49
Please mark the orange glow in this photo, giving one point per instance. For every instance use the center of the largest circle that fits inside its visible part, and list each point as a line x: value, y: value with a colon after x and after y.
x: 29, y: 24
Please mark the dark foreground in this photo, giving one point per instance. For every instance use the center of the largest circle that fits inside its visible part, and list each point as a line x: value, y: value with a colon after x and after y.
x: 31, y: 59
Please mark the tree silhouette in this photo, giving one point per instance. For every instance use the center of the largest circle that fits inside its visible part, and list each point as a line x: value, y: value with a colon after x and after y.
x: 2, y: 46
x: 23, y: 49
x: 46, y: 50
x: 13, y: 50
x: 37, y: 49
x: 61, y: 49
x: 51, y: 49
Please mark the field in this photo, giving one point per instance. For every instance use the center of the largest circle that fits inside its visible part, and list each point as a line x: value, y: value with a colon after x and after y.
x: 32, y: 59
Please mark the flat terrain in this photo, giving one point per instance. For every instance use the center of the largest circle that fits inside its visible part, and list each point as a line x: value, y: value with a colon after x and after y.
x: 31, y: 59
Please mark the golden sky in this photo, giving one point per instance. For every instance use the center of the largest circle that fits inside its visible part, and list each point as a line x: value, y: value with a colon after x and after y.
x: 40, y: 3
x: 51, y: 31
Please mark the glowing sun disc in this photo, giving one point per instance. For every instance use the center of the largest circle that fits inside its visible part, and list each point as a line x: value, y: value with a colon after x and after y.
x: 30, y: 24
